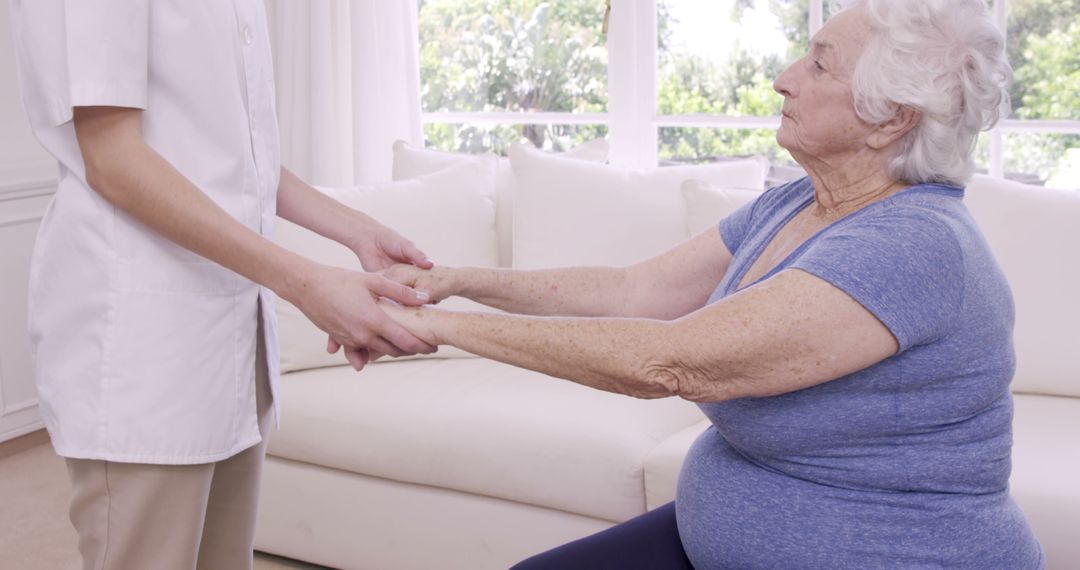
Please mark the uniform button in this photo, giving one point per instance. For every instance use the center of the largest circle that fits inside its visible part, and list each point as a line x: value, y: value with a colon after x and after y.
x: 247, y: 35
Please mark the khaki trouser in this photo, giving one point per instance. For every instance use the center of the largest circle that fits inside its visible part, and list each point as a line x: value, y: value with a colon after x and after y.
x: 162, y: 517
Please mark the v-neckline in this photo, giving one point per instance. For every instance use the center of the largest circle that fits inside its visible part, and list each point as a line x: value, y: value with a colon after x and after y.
x: 763, y: 244
x: 730, y: 287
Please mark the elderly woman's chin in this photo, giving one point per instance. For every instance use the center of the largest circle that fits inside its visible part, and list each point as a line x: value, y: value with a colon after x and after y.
x: 786, y: 138
x: 783, y: 137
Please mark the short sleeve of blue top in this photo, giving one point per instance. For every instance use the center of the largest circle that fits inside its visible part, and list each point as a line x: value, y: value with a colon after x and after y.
x: 902, y: 465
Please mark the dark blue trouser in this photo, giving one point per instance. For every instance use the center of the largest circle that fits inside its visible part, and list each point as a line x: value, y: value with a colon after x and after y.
x: 646, y: 542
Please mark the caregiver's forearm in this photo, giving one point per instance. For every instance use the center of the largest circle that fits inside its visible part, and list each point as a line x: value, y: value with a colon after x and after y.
x: 615, y: 355
x: 303, y: 205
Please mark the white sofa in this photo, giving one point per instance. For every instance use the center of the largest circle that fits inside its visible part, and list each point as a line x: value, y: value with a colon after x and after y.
x: 463, y: 462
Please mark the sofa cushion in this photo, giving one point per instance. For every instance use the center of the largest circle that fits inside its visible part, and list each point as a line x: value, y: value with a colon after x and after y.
x: 342, y: 519
x: 707, y: 204
x: 1034, y: 233
x: 569, y: 212
x: 479, y: 426
x: 411, y: 162
x: 664, y: 463
x: 462, y: 233
x: 1046, y: 471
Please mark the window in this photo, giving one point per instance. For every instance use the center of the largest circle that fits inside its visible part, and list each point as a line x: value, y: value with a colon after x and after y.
x: 494, y: 72
x: 716, y: 66
x: 1040, y: 142
x: 677, y: 81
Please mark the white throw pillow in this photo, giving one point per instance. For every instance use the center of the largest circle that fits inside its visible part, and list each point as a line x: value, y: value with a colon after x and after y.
x: 571, y: 212
x: 450, y: 215
x: 410, y: 162
x: 707, y: 204
x: 1034, y: 233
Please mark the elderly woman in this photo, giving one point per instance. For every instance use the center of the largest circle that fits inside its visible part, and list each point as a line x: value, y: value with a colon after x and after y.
x: 849, y: 334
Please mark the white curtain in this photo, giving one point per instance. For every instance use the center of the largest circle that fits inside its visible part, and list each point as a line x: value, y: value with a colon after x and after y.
x: 348, y: 85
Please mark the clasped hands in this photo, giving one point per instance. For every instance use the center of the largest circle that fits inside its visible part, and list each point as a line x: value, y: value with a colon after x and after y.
x: 352, y: 306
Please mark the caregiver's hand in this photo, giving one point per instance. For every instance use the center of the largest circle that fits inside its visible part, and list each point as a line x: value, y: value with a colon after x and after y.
x: 343, y: 303
x: 379, y: 247
x: 437, y: 282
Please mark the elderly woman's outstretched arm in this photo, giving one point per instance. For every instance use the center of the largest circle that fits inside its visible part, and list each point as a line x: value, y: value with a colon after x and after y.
x: 666, y: 287
x: 789, y: 332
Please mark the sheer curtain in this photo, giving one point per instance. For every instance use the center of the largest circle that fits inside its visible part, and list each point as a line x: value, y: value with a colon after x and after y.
x: 348, y: 85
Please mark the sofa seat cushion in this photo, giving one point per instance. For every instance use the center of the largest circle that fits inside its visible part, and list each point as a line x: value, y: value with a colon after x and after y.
x: 479, y: 426
x: 1046, y: 472
x: 664, y: 463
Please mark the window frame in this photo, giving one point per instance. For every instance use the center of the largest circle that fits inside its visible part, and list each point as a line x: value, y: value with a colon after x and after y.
x: 633, y: 122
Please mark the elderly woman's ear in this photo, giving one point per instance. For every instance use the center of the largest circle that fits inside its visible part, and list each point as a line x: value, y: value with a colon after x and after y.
x: 885, y: 134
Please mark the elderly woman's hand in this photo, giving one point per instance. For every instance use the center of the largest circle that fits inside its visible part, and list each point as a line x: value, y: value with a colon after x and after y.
x: 420, y: 321
x: 436, y: 282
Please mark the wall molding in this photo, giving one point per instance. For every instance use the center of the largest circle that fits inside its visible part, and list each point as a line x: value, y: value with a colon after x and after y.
x: 29, y: 179
x: 32, y: 218
x: 21, y: 430
x: 25, y: 185
x: 21, y: 406
x: 32, y: 190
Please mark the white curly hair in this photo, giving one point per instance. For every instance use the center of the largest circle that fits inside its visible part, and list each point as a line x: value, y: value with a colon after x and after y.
x: 945, y: 58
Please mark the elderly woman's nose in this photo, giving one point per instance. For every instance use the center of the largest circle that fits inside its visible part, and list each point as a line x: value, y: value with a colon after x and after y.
x: 784, y: 84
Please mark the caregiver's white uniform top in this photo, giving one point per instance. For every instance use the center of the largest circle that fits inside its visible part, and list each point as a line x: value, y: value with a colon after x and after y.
x: 145, y: 351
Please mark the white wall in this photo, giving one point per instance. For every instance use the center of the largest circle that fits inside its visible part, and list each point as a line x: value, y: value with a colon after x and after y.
x: 27, y: 183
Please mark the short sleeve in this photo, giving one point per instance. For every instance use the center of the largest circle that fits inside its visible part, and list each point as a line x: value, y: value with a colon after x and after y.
x: 107, y: 53
x: 743, y: 222
x: 904, y: 265
x: 735, y: 226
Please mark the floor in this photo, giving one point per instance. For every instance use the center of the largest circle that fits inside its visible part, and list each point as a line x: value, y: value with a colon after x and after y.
x: 34, y: 530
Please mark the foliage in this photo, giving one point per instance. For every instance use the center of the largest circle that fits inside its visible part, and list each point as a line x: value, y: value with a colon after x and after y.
x: 510, y: 55
x: 742, y: 86
x: 1048, y: 79
x: 484, y: 137
x: 1044, y: 49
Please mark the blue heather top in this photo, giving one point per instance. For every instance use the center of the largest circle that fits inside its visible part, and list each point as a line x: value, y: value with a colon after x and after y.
x: 904, y: 464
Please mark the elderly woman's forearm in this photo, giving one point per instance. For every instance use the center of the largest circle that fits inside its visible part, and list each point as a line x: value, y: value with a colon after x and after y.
x: 634, y: 357
x: 572, y: 291
x: 603, y: 353
x: 790, y: 332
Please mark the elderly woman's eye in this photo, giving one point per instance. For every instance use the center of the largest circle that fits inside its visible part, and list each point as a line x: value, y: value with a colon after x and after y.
x: 818, y: 66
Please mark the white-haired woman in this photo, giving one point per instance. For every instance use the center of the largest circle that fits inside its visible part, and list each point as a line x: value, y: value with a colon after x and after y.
x: 848, y: 334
